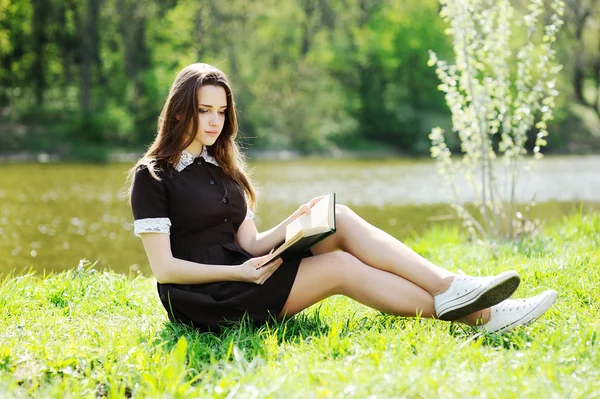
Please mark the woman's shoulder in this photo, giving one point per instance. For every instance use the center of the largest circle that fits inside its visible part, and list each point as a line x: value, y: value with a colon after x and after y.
x: 156, y: 171
x: 149, y: 179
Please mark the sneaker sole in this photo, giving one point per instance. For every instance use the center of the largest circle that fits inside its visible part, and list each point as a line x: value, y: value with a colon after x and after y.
x: 533, y: 315
x: 502, y: 288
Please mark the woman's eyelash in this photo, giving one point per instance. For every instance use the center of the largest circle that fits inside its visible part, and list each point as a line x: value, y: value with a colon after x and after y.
x: 203, y: 111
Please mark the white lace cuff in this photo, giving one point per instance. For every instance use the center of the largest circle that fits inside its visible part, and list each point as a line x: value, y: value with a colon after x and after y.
x: 152, y: 225
x: 249, y: 214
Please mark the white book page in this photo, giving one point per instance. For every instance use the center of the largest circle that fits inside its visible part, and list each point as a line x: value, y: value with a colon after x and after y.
x: 318, y: 217
x: 319, y: 213
x: 302, y: 222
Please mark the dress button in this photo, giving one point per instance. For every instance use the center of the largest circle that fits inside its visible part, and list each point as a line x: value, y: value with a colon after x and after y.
x: 212, y: 182
x: 225, y: 220
x: 224, y: 200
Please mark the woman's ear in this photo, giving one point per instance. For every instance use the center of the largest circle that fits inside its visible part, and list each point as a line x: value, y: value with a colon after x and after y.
x: 178, y: 117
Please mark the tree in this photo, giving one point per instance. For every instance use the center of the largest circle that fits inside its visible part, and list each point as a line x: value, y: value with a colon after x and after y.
x: 581, y: 18
x: 487, y: 100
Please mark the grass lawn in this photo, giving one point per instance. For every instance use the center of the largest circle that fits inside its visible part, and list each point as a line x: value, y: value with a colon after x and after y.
x: 84, y: 333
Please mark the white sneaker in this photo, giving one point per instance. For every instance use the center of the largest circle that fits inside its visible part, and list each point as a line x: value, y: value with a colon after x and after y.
x: 517, y: 312
x: 470, y: 294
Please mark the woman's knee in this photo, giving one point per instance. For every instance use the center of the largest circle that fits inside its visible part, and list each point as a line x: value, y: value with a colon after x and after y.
x: 336, y: 241
x: 342, y: 212
x: 342, y: 208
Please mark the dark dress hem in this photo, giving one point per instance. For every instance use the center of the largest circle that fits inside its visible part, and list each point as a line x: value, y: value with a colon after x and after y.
x: 210, y: 306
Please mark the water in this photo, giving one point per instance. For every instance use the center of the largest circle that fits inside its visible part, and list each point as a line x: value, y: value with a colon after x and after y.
x: 51, y: 216
x: 397, y: 182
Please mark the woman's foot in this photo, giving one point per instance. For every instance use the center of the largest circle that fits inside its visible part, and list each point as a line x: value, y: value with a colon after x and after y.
x: 468, y: 295
x: 517, y: 312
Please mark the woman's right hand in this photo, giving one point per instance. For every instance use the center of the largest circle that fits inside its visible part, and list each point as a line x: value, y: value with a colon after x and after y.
x: 250, y: 273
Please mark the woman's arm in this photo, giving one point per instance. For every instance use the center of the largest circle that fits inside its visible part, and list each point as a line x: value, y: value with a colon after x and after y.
x: 170, y: 270
x: 259, y: 244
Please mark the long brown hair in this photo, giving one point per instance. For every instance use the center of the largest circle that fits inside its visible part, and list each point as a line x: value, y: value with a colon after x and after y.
x: 177, y: 133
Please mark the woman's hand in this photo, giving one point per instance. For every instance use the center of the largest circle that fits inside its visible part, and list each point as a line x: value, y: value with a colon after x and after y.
x: 250, y: 273
x: 305, y: 208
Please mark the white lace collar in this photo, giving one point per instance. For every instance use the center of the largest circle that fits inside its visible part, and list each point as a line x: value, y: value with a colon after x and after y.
x: 187, y: 159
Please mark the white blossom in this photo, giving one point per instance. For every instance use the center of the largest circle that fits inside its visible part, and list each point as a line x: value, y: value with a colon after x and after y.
x: 493, y: 89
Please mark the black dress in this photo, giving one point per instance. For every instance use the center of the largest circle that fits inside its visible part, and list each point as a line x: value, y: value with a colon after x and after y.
x: 202, y: 208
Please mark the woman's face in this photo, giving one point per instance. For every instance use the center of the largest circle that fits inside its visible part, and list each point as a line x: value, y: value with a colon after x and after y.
x: 212, y: 106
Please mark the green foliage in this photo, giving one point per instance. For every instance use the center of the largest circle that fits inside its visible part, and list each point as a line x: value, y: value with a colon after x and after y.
x: 381, y: 64
x: 84, y: 333
x: 309, y: 75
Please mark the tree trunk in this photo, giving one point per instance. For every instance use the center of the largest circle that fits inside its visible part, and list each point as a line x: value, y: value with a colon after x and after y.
x: 89, y: 48
x: 40, y: 13
x: 578, y: 78
x: 127, y: 24
x: 309, y: 10
x: 597, y: 76
x: 580, y: 19
x: 141, y: 62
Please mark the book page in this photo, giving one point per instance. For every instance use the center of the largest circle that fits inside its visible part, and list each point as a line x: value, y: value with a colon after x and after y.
x: 318, y: 219
x: 295, y: 226
x: 319, y: 214
x: 305, y: 230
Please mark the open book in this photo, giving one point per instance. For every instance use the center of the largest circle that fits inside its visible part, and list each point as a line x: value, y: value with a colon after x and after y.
x: 306, y: 230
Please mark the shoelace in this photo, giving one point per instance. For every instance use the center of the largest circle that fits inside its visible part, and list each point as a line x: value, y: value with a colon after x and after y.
x: 468, y: 279
x: 509, y: 306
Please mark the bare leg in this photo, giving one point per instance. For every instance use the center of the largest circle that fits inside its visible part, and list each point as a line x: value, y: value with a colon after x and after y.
x: 378, y: 249
x: 339, y: 272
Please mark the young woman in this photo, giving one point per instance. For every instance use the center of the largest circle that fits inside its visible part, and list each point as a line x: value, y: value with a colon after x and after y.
x: 191, y: 199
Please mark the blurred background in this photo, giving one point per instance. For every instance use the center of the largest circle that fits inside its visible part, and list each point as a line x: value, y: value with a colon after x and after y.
x: 82, y: 83
x: 86, y: 79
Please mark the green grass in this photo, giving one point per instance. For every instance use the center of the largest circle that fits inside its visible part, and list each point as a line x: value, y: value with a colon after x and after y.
x: 85, y: 333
